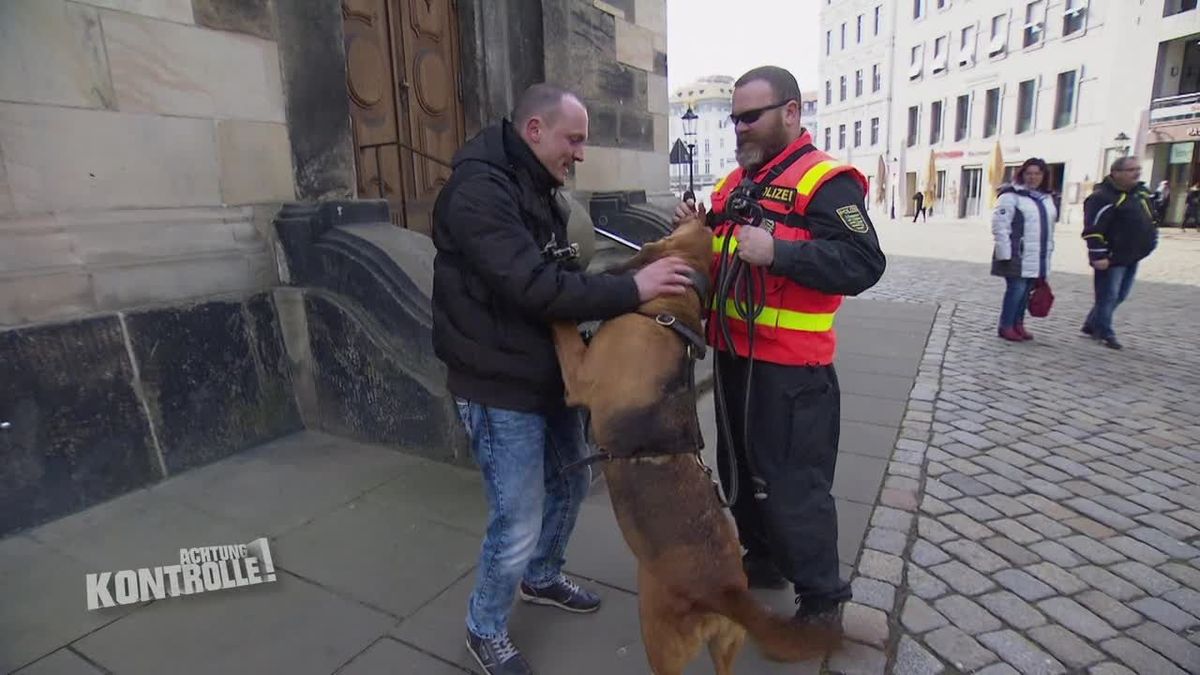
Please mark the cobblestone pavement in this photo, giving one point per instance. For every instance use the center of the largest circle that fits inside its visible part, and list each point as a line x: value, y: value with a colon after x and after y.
x: 1057, y: 484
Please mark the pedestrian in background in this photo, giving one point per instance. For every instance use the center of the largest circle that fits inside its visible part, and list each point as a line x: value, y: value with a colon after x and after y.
x: 1118, y: 226
x: 919, y: 198
x: 1023, y: 229
x: 1162, y: 200
x: 1191, y: 212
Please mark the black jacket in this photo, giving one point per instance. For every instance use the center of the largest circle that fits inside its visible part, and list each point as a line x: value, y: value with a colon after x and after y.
x: 1119, y: 225
x: 837, y: 260
x: 494, y: 291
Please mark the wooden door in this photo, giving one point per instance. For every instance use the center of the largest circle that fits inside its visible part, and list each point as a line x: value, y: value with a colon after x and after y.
x: 405, y: 105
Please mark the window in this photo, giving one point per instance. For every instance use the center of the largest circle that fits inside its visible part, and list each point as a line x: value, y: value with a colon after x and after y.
x: 1173, y: 7
x: 841, y: 136
x: 1074, y: 16
x: 941, y: 4
x: 843, y: 35
x: 966, y: 47
x: 914, y: 115
x: 935, y: 122
x: 991, y: 113
x: 1026, y: 93
x: 876, y: 78
x: 940, y: 54
x: 999, y: 38
x: 828, y: 41
x: 915, y: 57
x: 918, y: 9
x: 962, y: 117
x: 827, y: 136
x: 707, y: 168
x: 874, y: 131
x: 842, y: 87
x: 858, y: 30
x: 857, y: 134
x: 858, y: 83
x: 1064, y: 99
x: 878, y: 17
x: 828, y: 92
x: 1034, y: 27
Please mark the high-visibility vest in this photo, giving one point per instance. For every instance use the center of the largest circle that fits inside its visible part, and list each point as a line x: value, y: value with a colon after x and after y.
x: 796, y: 326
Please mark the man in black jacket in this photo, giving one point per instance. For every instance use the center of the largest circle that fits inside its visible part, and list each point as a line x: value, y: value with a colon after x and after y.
x: 1119, y: 228
x: 503, y: 271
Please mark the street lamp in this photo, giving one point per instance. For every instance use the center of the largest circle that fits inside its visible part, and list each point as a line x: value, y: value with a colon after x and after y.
x: 1122, y: 143
x: 689, y: 132
x: 895, y: 183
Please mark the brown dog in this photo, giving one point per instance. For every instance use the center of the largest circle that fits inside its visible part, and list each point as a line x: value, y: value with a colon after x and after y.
x: 634, y: 378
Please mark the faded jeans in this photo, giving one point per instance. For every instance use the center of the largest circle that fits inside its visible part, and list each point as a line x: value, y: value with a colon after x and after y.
x: 1112, y: 286
x: 532, y: 506
x: 1016, y: 301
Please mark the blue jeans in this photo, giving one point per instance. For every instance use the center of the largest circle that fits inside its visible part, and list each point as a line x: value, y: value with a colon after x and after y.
x: 532, y: 506
x: 1112, y: 286
x: 1016, y: 301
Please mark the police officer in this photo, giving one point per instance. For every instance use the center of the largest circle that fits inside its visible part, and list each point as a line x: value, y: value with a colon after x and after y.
x: 791, y: 238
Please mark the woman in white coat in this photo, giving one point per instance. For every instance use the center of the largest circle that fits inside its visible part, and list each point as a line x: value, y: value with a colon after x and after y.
x: 1023, y: 229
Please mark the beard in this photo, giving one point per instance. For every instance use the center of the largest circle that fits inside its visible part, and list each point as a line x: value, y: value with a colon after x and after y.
x: 751, y: 155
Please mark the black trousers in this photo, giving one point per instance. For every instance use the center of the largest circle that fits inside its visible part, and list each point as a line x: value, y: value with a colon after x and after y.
x: 794, y: 427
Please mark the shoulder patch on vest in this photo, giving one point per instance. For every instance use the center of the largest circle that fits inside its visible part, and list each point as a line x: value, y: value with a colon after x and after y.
x: 853, y: 219
x: 779, y: 194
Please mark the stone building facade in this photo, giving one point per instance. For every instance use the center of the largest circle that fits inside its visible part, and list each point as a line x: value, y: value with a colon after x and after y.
x: 151, y: 319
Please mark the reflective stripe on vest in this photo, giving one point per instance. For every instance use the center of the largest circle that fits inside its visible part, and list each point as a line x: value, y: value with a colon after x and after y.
x: 785, y: 318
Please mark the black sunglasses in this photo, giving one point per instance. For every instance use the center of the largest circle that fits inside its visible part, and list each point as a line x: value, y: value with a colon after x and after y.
x: 751, y: 116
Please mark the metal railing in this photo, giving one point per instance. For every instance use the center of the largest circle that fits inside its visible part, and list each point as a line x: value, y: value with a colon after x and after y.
x: 1175, y: 108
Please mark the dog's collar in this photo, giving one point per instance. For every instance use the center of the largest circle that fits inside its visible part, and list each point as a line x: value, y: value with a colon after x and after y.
x: 696, y: 347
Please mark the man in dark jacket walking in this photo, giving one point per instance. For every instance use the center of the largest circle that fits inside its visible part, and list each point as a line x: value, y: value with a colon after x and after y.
x: 1119, y: 228
x: 503, y: 271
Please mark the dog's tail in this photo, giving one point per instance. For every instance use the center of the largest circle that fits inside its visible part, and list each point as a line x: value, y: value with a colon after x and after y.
x: 779, y: 638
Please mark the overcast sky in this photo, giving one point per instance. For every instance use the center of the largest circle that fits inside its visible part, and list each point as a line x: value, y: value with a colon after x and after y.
x: 729, y: 37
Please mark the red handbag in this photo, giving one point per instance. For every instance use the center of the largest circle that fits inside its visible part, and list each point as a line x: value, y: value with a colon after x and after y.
x: 1041, y: 298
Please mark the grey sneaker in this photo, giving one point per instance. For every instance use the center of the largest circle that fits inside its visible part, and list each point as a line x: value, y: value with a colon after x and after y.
x: 498, y: 655
x: 563, y: 594
x: 826, y: 615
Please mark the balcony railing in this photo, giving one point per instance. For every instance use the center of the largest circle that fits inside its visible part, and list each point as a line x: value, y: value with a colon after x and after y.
x: 1172, y: 109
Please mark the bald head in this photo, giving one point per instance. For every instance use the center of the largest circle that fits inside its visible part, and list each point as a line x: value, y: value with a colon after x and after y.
x: 554, y: 123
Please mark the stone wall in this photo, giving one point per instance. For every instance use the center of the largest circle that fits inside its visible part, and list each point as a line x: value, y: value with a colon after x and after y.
x: 136, y: 138
x: 99, y: 406
x: 614, y: 56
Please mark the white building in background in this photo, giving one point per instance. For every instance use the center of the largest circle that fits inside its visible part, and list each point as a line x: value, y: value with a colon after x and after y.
x: 711, y: 98
x: 1172, y: 125
x: 856, y: 69
x: 1075, y: 82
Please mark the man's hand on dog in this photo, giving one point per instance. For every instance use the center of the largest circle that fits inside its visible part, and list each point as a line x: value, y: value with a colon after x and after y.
x: 755, y: 245
x: 683, y: 212
x: 665, y: 276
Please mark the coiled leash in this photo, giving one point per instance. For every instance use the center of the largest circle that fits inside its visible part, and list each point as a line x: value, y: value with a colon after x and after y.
x: 745, y: 288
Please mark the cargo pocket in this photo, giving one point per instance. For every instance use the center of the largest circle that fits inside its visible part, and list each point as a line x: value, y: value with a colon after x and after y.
x: 810, y: 427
